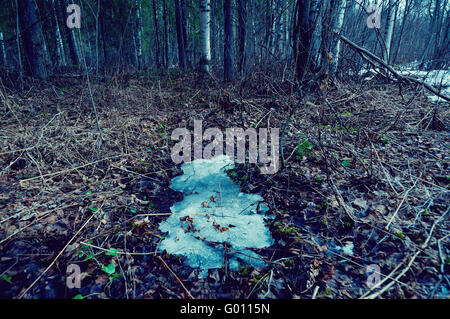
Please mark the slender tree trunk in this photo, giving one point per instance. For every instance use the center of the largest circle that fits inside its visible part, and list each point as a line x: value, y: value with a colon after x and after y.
x: 59, y: 45
x: 187, y: 49
x: 228, y: 43
x: 242, y: 10
x: 339, y: 21
x: 19, y: 54
x: 302, y: 37
x: 205, y: 21
x: 32, y: 39
x: 2, y: 50
x: 180, y: 38
x: 389, y: 31
x: 138, y: 34
x: 405, y: 14
x: 102, y: 32
x: 155, y: 22
x: 166, y: 36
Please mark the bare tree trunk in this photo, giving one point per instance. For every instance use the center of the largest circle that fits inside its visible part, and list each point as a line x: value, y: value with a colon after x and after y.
x: 138, y: 34
x: 405, y: 14
x: 2, y: 50
x: 184, y: 24
x: 389, y: 31
x: 166, y: 36
x: 60, y: 53
x: 19, y: 54
x: 339, y: 21
x: 302, y: 37
x: 180, y: 38
x: 32, y: 38
x: 242, y: 10
x: 155, y: 22
x: 228, y: 41
x: 205, y: 21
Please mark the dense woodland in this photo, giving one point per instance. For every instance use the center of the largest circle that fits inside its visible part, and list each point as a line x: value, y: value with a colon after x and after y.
x: 90, y: 91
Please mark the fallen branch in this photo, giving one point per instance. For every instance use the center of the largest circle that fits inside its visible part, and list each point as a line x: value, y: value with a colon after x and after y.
x: 371, y: 58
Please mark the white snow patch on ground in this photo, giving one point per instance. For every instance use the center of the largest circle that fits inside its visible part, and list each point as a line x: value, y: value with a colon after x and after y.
x: 214, y: 211
x: 436, y: 78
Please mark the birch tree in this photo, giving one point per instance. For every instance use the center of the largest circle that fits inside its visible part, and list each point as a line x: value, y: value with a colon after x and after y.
x: 138, y: 34
x: 338, y: 22
x: 205, y: 22
x: 389, y: 31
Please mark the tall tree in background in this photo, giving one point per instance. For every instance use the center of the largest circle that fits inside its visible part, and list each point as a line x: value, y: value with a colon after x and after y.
x: 340, y: 6
x: 302, y: 37
x: 59, y: 45
x: 165, y: 35
x: 228, y: 41
x: 155, y: 23
x: 242, y: 12
x: 390, y: 21
x: 32, y: 38
x: 180, y: 37
x: 2, y: 50
x: 205, y: 21
x: 138, y: 34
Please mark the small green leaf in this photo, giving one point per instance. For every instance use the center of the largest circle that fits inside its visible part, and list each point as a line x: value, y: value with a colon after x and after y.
x: 6, y: 278
x: 346, y: 163
x: 111, y: 278
x: 78, y: 297
x: 133, y: 210
x: 112, y: 252
x: 93, y: 209
x: 110, y: 269
x: 89, y: 192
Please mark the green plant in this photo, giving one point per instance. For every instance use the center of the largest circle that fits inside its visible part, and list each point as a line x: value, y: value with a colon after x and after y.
x: 243, y: 270
x: 400, y: 235
x: 6, y: 278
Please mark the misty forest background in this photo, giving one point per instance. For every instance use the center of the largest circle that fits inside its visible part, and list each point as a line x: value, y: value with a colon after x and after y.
x: 86, y: 116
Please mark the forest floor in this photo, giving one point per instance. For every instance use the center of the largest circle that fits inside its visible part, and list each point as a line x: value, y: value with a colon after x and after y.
x: 365, y: 185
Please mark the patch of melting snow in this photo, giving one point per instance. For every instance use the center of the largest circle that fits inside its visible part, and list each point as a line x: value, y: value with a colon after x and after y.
x: 437, y: 78
x: 213, y: 212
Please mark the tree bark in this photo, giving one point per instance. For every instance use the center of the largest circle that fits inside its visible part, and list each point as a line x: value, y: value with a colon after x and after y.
x: 138, y: 34
x: 2, y: 50
x: 32, y: 39
x: 205, y: 21
x: 302, y: 37
x: 389, y: 32
x: 180, y: 38
x: 242, y: 10
x: 155, y: 23
x: 228, y: 43
x: 165, y: 35
x: 339, y: 21
x: 59, y: 45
